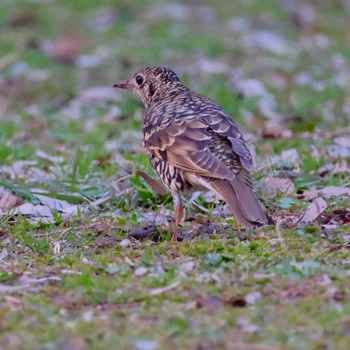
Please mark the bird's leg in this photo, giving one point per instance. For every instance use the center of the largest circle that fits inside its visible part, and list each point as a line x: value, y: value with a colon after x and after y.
x: 238, y: 229
x: 178, y: 213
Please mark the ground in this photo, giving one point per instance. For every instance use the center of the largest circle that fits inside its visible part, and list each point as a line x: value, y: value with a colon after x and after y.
x: 76, y: 186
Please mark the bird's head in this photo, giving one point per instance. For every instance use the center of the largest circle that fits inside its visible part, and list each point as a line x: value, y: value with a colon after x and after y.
x: 150, y: 82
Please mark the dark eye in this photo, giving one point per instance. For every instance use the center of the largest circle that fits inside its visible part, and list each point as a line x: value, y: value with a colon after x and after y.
x: 139, y: 80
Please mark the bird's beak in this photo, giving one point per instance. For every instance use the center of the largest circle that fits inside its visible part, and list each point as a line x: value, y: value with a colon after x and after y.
x: 123, y: 84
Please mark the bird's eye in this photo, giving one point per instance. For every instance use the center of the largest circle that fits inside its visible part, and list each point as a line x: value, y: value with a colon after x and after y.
x: 139, y: 80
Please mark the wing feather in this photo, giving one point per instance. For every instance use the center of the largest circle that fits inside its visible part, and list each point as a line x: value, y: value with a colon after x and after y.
x: 186, y: 143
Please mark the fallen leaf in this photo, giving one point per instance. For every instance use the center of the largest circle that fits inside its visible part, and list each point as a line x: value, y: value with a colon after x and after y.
x: 17, y: 169
x: 125, y: 243
x: 341, y: 167
x: 146, y: 345
x: 325, y: 169
x: 8, y: 200
x: 157, y: 291
x: 277, y: 184
x: 155, y: 218
x: 140, y: 271
x: 32, y: 210
x: 3, y: 254
x: 314, y: 210
x: 252, y: 298
x: 290, y: 156
x: 54, y: 204
x: 246, y: 326
x: 29, y: 282
x: 11, y: 289
x: 43, y: 155
x: 310, y: 195
x: 343, y: 141
x: 329, y: 229
x: 334, y: 191
x: 187, y: 267
x: 336, y: 152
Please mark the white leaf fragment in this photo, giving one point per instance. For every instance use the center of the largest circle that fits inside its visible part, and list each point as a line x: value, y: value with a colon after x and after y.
x: 140, y: 271
x: 157, y: 291
x: 252, y: 298
x: 334, y: 191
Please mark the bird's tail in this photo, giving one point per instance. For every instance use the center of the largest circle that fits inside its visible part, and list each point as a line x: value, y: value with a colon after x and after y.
x: 242, y: 201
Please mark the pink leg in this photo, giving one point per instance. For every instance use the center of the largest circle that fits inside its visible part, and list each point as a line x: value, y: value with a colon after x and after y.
x: 178, y: 213
x: 238, y: 229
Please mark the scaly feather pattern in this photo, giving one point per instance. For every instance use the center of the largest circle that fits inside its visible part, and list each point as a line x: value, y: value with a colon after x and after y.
x: 194, y: 145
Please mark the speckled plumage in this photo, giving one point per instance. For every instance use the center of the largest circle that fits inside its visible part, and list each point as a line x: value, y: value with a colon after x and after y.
x: 194, y: 145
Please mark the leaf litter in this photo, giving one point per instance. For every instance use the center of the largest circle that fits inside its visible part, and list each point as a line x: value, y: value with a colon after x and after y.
x: 92, y: 256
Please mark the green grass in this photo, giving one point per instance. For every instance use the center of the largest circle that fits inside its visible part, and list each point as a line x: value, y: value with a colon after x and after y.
x: 78, y: 281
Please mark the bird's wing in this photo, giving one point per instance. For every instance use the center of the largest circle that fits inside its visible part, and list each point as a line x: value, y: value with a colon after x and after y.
x: 184, y: 143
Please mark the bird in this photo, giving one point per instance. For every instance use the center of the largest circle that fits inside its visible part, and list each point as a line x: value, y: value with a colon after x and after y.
x: 194, y: 145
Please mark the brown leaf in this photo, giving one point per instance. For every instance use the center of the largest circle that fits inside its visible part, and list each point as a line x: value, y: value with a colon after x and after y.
x: 277, y: 184
x: 9, y: 200
x: 334, y: 191
x: 155, y: 185
x: 309, y: 195
x: 314, y: 210
x: 342, y: 167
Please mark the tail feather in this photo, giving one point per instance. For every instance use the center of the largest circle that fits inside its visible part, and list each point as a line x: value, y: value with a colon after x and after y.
x: 242, y: 201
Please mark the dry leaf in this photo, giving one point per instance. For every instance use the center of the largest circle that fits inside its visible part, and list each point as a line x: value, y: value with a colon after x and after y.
x: 310, y: 195
x: 277, y: 184
x: 140, y: 271
x: 54, y: 204
x: 252, y: 298
x: 334, y: 191
x: 314, y: 210
x: 11, y: 289
x: 246, y: 326
x: 157, y: 291
x: 343, y: 141
x: 43, y: 155
x: 290, y: 156
x: 3, y: 254
x: 341, y: 167
x: 336, y: 152
x: 9, y: 200
x: 17, y: 169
